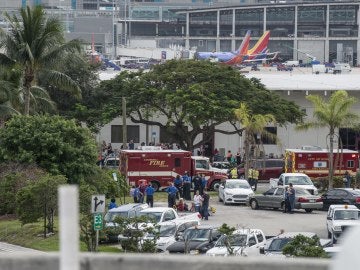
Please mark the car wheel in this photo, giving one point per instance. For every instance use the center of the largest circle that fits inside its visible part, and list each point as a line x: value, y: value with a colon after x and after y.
x: 254, y: 204
x: 308, y: 210
x: 215, y: 185
x: 333, y: 239
x: 282, y: 207
x: 225, y: 203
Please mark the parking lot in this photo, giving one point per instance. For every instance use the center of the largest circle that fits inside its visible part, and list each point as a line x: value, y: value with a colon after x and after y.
x: 270, y: 221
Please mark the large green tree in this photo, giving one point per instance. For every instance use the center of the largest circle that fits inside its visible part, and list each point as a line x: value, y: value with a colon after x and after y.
x: 331, y: 114
x: 193, y: 97
x: 36, y: 44
x: 57, y: 145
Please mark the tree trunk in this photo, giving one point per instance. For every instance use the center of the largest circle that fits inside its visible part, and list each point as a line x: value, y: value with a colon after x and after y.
x: 331, y: 160
x: 27, y: 100
x: 247, y: 154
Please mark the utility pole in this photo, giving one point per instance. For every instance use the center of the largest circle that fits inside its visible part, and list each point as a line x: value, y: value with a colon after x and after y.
x: 124, y: 127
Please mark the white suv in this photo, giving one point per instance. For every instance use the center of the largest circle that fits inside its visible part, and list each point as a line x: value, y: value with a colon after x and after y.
x: 340, y: 218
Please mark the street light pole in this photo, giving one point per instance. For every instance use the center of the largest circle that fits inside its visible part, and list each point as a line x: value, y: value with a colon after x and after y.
x: 113, y: 31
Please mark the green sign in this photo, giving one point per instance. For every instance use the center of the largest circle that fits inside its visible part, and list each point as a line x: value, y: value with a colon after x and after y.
x: 98, y: 221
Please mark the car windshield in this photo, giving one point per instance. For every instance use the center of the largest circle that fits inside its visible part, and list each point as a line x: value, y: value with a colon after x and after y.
x: 346, y: 214
x: 298, y: 180
x: 156, y: 216
x: 237, y: 240
x: 110, y: 216
x: 278, y: 244
x: 233, y: 184
x: 167, y: 230
x: 197, y: 234
x: 301, y: 191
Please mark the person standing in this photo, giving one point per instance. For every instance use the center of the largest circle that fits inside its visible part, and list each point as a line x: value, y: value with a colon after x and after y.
x: 347, y: 180
x: 229, y: 156
x: 205, y: 205
x: 186, y: 186
x: 203, y: 184
x: 178, y: 182
x: 142, y: 188
x: 234, y: 173
x: 197, y: 201
x: 149, y: 191
x: 286, y: 201
x: 131, y: 145
x: 251, y: 175
x: 197, y: 183
x: 172, y: 191
x: 112, y: 204
x: 238, y: 158
x: 291, y: 194
x: 136, y: 194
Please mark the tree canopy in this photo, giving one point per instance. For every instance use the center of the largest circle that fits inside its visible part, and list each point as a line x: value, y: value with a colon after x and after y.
x: 35, y: 45
x: 192, y: 96
x: 57, y: 145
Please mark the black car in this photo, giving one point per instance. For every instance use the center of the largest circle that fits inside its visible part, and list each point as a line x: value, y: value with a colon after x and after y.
x: 197, y: 240
x: 341, y: 196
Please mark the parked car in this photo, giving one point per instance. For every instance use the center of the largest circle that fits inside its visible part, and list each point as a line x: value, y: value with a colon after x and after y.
x: 169, y: 231
x: 125, y: 211
x: 297, y: 179
x: 340, y: 218
x: 224, y: 165
x: 245, y: 242
x: 268, y: 168
x: 275, y: 245
x: 197, y: 240
x: 341, y: 196
x: 234, y: 191
x: 274, y: 198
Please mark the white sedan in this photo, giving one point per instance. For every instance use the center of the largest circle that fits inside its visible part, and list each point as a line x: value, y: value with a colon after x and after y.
x: 234, y: 191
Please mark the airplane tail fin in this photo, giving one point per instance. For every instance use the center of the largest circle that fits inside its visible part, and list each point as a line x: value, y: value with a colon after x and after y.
x: 244, y: 46
x: 261, y: 45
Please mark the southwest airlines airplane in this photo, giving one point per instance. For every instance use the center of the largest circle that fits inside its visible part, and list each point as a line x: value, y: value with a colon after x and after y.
x: 257, y: 53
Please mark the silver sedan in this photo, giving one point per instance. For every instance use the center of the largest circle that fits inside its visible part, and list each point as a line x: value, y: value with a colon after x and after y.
x: 274, y: 198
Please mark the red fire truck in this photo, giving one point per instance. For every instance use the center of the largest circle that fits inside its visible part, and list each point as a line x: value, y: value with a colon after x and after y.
x: 314, y: 161
x: 160, y: 167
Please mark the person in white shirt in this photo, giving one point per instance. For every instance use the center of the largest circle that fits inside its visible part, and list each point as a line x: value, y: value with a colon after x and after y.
x: 197, y: 201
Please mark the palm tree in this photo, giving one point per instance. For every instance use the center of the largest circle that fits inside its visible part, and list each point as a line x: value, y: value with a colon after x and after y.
x: 253, y: 125
x: 332, y: 114
x: 37, y: 45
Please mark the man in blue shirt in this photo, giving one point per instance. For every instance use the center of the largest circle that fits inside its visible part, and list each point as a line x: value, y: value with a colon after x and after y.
x: 186, y: 186
x: 149, y: 191
x: 178, y: 182
x: 171, y: 191
x: 112, y: 204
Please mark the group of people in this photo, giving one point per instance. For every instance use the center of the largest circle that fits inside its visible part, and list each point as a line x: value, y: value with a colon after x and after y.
x: 142, y: 191
x: 180, y: 189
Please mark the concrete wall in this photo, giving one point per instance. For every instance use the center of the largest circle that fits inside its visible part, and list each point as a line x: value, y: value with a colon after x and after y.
x: 26, y: 261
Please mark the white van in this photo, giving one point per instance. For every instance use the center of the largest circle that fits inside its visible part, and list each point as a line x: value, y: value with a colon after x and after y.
x: 318, y: 69
x: 292, y: 63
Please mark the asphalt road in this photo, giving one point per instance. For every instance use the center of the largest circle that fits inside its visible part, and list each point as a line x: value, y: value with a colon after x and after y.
x: 270, y: 221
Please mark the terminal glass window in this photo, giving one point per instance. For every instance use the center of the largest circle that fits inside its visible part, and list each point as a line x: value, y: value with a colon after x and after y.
x: 343, y: 21
x: 344, y: 51
x: 203, y: 24
x: 145, y: 13
x: 312, y: 21
x: 281, y: 21
x: 226, y: 17
x: 249, y: 19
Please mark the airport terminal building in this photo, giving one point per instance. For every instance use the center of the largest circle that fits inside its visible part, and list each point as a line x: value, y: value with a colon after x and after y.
x: 300, y: 30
